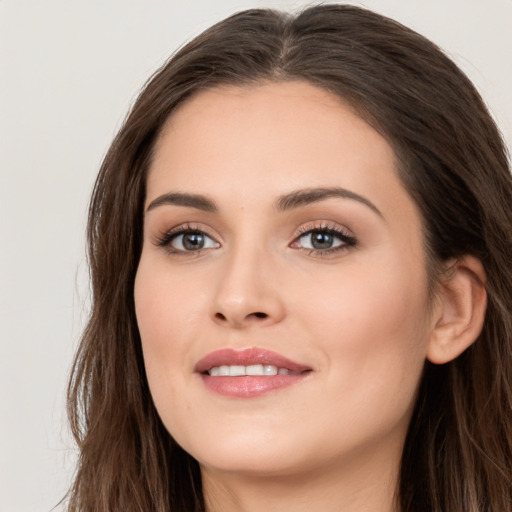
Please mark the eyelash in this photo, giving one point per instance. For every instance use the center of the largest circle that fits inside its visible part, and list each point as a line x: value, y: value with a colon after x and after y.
x: 165, y: 239
x: 347, y: 240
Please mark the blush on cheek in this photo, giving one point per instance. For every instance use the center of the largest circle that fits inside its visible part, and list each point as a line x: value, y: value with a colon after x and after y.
x: 373, y: 332
x: 157, y: 305
x: 154, y: 305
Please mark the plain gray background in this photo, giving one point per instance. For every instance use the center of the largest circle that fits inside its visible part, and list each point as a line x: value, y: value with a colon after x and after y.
x: 68, y: 72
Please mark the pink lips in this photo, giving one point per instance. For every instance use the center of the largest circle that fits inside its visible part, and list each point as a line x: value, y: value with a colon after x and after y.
x: 249, y: 386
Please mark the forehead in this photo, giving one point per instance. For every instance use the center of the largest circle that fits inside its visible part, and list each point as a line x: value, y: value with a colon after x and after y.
x: 262, y: 140
x: 262, y: 110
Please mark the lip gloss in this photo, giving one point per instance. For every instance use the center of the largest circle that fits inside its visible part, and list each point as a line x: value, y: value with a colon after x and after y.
x: 248, y: 373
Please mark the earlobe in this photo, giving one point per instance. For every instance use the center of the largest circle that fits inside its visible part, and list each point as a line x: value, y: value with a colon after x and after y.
x: 460, y: 310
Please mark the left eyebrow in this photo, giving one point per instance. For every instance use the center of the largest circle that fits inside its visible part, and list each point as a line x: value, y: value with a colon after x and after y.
x: 312, y: 195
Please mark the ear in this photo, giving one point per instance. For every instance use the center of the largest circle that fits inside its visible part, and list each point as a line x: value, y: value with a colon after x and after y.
x: 460, y: 310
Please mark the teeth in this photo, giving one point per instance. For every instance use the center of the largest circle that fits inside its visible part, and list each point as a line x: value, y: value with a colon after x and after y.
x: 253, y: 369
x: 270, y: 370
x: 236, y: 371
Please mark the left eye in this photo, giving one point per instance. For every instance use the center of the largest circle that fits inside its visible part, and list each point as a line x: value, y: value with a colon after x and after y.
x: 323, y: 240
x: 192, y: 241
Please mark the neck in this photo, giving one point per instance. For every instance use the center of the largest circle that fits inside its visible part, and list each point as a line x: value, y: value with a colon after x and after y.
x: 365, y: 484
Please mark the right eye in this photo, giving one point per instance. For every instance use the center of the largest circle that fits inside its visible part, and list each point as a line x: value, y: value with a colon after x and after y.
x: 187, y: 240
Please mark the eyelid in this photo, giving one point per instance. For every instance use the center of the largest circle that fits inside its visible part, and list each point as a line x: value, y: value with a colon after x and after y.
x: 343, y: 234
x: 323, y: 225
x: 165, y: 238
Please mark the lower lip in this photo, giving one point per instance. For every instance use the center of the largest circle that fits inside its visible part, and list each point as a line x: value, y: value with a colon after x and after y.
x: 250, y: 386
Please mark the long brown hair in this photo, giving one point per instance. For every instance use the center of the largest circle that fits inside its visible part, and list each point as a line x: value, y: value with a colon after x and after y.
x: 452, y: 160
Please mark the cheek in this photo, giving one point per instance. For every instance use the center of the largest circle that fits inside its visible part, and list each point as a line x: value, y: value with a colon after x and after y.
x: 166, y: 313
x: 170, y: 309
x: 166, y: 303
x: 373, y: 323
x: 372, y: 330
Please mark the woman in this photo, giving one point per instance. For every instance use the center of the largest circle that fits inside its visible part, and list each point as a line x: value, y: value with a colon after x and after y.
x: 300, y: 256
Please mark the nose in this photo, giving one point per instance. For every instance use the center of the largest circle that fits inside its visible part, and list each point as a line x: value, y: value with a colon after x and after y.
x: 248, y: 292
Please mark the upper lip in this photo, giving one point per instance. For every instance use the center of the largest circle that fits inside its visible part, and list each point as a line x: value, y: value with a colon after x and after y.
x: 246, y: 357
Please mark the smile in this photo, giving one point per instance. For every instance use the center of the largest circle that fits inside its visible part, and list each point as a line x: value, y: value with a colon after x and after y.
x: 251, y: 370
x: 248, y: 373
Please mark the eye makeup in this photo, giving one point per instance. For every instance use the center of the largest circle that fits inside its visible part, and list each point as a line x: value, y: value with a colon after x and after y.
x: 186, y: 240
x: 323, y: 239
x: 314, y: 239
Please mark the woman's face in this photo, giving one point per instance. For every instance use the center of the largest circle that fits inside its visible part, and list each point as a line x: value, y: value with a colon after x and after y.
x: 278, y: 238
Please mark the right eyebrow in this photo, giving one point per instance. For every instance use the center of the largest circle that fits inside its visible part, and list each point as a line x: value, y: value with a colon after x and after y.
x: 181, y: 199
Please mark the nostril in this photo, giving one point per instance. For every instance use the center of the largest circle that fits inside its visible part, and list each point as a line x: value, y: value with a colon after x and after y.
x: 221, y: 317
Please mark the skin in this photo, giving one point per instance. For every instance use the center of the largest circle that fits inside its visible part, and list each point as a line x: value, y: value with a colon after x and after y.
x: 358, y: 317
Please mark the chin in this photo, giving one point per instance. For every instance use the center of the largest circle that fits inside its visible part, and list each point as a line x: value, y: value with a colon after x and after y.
x: 266, y: 463
x: 247, y: 452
